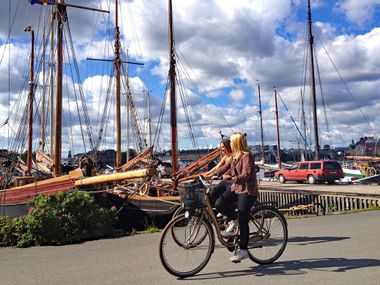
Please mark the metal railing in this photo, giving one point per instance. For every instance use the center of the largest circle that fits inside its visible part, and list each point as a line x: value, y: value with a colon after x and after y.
x: 331, y: 202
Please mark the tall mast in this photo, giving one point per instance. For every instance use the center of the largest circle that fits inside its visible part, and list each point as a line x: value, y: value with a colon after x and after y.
x: 30, y: 101
x: 303, y: 122
x: 61, y: 14
x: 278, y: 130
x: 61, y: 18
x: 128, y: 111
x: 117, y: 63
x: 149, y: 121
x: 173, y: 106
x: 314, y: 97
x: 127, y: 125
x: 51, y: 82
x: 261, y: 125
x: 43, y: 107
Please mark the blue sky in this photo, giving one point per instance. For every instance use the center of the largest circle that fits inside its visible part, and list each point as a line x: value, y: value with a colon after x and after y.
x: 226, y: 47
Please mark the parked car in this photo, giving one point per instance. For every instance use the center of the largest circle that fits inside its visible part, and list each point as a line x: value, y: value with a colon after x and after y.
x: 164, y: 169
x: 312, y: 172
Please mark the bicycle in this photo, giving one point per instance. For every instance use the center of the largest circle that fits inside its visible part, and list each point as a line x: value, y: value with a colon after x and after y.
x: 188, y: 240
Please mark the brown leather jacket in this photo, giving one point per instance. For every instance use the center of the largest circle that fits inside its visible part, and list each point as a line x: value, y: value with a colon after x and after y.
x: 243, y: 173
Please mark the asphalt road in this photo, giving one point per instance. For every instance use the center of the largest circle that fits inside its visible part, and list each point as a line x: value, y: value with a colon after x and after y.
x: 333, y: 249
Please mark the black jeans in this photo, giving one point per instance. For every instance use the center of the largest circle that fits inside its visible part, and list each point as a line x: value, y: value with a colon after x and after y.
x: 218, y: 190
x: 226, y: 204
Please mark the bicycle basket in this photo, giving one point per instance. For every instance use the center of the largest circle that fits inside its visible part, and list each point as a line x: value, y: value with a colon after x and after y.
x: 192, y: 196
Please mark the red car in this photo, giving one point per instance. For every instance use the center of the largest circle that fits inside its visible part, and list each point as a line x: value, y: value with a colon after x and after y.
x: 312, y: 172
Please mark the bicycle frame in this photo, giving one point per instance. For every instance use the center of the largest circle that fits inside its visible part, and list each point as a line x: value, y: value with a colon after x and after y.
x: 188, y: 240
x: 208, y: 210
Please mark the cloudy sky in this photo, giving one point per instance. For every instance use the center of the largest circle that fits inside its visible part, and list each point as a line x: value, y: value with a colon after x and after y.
x: 224, y: 49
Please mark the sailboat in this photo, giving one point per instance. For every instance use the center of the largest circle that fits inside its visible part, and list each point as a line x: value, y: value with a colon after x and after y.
x: 154, y: 197
x: 135, y: 181
x: 268, y: 170
x: 361, y: 163
x: 313, y: 101
x: 16, y: 192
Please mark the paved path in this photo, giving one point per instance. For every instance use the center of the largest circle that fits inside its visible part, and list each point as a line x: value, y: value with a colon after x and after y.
x: 333, y: 249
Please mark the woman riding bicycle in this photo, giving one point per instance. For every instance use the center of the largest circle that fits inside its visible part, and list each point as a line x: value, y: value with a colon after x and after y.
x: 243, y: 191
x: 225, y: 148
x: 226, y: 152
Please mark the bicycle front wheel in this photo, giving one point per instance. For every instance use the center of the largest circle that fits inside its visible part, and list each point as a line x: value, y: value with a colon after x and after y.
x: 268, y: 235
x: 186, y: 245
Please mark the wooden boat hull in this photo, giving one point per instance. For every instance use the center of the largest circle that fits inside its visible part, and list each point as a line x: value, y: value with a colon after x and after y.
x: 155, y: 206
x: 26, y: 193
x: 139, y: 212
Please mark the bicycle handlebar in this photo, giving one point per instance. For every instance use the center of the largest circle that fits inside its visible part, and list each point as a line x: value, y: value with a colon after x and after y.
x: 203, y: 180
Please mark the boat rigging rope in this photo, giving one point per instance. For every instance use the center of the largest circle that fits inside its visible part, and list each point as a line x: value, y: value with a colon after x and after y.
x: 161, y: 115
x: 106, y: 110
x: 294, y: 123
x: 303, y: 83
x: 71, y: 135
x: 134, y: 32
x: 348, y: 90
x: 323, y: 100
x: 81, y: 93
x: 186, y: 107
x: 10, y: 30
x: 133, y: 192
x: 134, y: 115
x: 146, y: 124
x: 77, y: 105
x: 181, y: 58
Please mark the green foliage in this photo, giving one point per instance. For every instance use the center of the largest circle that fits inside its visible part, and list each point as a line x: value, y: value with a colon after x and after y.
x: 68, y: 217
x: 152, y: 230
x: 332, y: 207
x: 16, y: 232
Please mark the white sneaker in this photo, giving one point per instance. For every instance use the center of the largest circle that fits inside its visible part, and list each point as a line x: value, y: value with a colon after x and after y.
x: 219, y: 215
x: 240, y: 255
x: 230, y: 230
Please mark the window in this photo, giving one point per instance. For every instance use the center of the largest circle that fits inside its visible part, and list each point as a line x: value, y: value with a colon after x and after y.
x: 332, y: 165
x: 294, y: 166
x: 304, y: 166
x: 315, y: 165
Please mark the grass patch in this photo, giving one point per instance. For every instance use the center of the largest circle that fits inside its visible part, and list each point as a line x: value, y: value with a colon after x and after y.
x: 149, y: 230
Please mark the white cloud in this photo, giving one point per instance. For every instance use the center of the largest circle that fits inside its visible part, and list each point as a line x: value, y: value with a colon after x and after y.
x: 219, y: 43
x: 359, y: 11
x: 237, y: 95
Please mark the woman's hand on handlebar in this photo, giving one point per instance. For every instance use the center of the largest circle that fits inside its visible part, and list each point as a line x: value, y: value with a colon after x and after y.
x: 226, y: 177
x: 206, y: 175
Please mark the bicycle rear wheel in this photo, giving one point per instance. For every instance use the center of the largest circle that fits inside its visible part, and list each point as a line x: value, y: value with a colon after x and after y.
x: 268, y: 235
x: 186, y: 245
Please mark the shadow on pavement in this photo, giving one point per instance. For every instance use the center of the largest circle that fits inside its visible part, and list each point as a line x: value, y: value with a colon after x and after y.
x: 295, y: 267
x: 314, y: 240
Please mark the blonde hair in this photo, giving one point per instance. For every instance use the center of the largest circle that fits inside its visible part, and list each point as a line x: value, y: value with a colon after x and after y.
x: 239, y: 145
